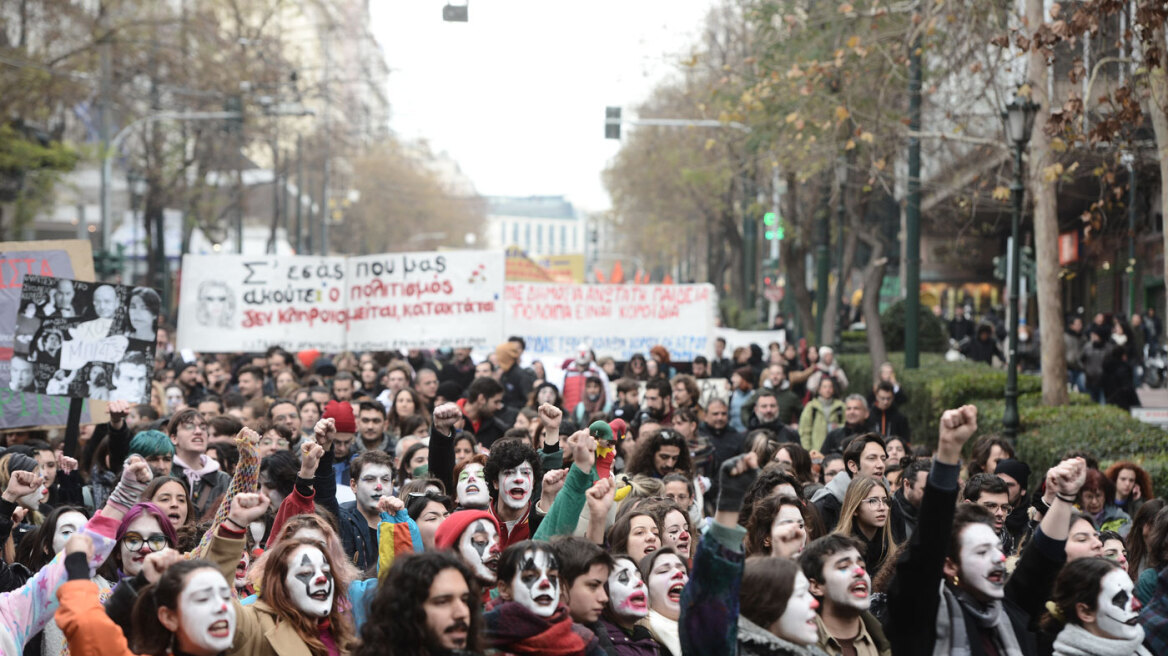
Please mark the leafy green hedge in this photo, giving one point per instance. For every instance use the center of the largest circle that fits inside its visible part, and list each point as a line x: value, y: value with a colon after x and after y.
x: 1045, y: 433
x: 933, y: 336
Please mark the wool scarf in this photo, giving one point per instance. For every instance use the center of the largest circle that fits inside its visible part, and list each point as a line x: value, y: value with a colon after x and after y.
x: 951, y: 637
x: 1074, y: 640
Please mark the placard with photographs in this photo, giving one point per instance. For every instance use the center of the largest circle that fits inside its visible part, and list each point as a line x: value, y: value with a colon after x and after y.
x: 85, y: 340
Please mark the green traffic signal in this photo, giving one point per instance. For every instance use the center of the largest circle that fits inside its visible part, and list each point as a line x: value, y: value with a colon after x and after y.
x: 769, y: 219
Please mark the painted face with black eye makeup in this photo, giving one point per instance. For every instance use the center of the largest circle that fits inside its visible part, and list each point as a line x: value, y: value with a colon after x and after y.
x: 479, y: 547
x: 310, y: 581
x: 537, y: 583
x: 1116, y: 609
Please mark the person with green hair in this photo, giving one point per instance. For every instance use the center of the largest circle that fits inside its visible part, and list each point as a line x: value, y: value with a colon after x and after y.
x: 156, y: 448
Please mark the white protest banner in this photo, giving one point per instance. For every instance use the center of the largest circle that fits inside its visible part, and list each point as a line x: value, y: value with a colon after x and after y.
x: 376, y: 302
x: 249, y: 302
x: 425, y: 300
x: 615, y: 320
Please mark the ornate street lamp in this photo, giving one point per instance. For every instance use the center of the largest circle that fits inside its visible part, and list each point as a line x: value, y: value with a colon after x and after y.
x: 1019, y: 119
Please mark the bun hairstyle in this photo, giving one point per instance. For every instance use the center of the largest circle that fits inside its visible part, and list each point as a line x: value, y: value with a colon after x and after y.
x: 147, y: 634
x: 1077, y: 583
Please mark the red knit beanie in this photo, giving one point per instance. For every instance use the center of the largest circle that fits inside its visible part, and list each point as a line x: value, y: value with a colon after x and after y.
x: 446, y: 537
x: 342, y: 414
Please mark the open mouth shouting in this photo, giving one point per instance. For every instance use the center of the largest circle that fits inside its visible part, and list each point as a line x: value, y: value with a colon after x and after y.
x: 220, y: 629
x: 675, y: 592
x: 859, y: 590
x: 637, y: 602
x: 320, y: 595
x: 997, y: 576
x: 544, y: 601
x: 471, y: 488
x: 516, y: 493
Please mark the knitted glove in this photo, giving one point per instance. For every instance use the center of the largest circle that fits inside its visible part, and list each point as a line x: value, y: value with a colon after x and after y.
x: 732, y: 489
x: 128, y: 491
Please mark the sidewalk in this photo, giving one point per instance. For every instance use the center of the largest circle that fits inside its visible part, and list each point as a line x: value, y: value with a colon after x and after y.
x: 1153, y: 398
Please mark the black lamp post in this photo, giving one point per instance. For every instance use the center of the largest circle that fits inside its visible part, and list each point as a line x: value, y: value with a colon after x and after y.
x: 1019, y: 118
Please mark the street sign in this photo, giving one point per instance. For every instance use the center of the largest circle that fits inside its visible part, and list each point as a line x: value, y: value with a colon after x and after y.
x: 1154, y: 416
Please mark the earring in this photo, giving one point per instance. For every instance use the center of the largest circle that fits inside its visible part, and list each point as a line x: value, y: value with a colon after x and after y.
x: 956, y: 580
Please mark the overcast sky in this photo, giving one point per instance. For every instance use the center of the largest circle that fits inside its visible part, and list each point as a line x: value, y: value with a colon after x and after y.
x: 516, y: 95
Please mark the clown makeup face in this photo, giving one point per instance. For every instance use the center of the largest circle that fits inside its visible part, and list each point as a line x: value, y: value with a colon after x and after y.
x: 375, y: 482
x: 983, y: 565
x: 797, y: 623
x: 479, y: 547
x: 310, y: 582
x: 472, y: 487
x: 677, y: 532
x: 666, y: 581
x: 67, y: 524
x: 626, y: 591
x: 537, y: 583
x: 1115, y: 550
x: 1116, y: 610
x: 845, y: 581
x: 515, y: 486
x: 788, y: 532
x: 208, y: 616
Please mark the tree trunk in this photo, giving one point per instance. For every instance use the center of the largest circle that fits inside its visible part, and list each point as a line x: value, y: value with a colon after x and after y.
x: 1046, y: 229
x: 1158, y: 108
x: 870, y: 304
x: 793, y: 257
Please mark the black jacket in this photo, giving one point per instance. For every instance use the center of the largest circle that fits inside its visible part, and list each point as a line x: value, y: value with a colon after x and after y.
x: 727, y: 442
x: 889, y: 423
x: 903, y: 517
x: 914, y: 595
x: 517, y: 383
x: 838, y: 439
x: 783, y: 432
x: 360, y: 547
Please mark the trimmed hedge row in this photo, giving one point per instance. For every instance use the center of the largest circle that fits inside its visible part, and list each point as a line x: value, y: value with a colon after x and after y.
x: 1045, y: 433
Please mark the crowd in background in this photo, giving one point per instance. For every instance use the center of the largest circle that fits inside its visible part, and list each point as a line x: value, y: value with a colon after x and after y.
x: 757, y: 501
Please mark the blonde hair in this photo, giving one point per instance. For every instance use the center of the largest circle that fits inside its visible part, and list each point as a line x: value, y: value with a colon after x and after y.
x: 858, y: 490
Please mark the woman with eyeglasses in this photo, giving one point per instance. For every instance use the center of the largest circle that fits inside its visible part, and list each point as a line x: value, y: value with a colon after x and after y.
x: 864, y: 515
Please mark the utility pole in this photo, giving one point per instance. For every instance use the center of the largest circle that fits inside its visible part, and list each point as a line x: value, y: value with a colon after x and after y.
x: 841, y: 213
x: 324, y: 185
x: 912, y: 237
x: 298, y: 240
x: 103, y: 126
x: 822, y: 260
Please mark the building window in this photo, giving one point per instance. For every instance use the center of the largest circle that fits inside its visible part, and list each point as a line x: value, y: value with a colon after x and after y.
x: 527, y: 237
x: 563, y: 239
x: 515, y: 233
x: 551, y: 239
x: 539, y: 237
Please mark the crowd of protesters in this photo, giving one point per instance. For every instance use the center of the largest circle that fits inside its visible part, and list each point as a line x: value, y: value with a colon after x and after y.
x: 758, y: 501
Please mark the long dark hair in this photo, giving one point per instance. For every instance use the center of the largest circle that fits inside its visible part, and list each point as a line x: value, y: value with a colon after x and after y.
x: 1137, y: 545
x: 147, y: 635
x: 767, y: 582
x: 397, y: 615
x: 642, y: 461
x: 36, y: 548
x: 1077, y: 583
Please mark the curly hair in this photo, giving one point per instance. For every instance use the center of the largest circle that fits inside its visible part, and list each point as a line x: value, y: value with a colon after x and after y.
x: 509, y: 455
x: 758, y: 527
x: 397, y: 616
x: 643, y: 460
x: 1143, y: 480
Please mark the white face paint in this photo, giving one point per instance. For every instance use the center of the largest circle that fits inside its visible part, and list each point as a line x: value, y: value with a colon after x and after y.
x: 208, y: 616
x: 797, y: 623
x: 515, y: 486
x: 983, y: 565
x: 376, y: 481
x: 310, y: 582
x: 479, y: 547
x: 626, y: 591
x: 537, y: 583
x: 667, y: 579
x: 1115, y: 610
x: 67, y: 524
x: 846, y: 580
x: 472, y: 487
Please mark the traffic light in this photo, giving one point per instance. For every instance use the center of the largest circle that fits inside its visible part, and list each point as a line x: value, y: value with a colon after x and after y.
x: 770, y: 272
x: 774, y: 226
x: 1029, y: 265
x: 1000, y: 267
x: 234, y: 104
x: 612, y: 122
x: 108, y: 264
